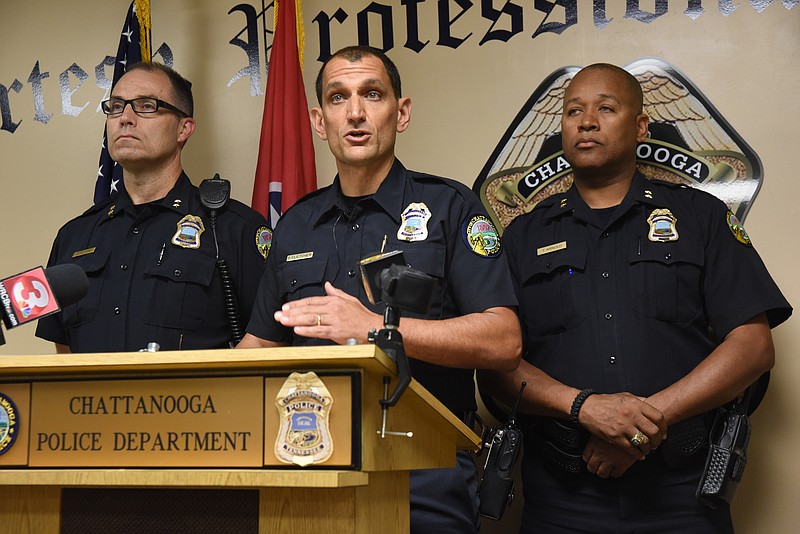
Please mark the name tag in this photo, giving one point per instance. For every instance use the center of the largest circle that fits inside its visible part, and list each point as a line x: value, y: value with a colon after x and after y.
x: 551, y: 248
x: 301, y: 256
x: 84, y: 252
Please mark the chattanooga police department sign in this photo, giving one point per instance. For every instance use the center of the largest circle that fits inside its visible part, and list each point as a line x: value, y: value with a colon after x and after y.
x: 689, y: 142
x: 186, y: 422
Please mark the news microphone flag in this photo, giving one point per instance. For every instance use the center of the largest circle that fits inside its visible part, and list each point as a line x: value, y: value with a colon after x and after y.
x: 37, y: 292
x: 134, y: 46
x: 285, y: 170
x: 26, y: 297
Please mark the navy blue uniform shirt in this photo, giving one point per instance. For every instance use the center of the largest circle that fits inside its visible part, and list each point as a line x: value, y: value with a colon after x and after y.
x: 604, y: 306
x: 145, y: 288
x: 322, y: 238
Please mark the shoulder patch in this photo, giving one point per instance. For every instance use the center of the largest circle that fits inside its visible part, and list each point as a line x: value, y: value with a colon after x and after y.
x: 737, y: 229
x: 264, y: 240
x: 480, y: 235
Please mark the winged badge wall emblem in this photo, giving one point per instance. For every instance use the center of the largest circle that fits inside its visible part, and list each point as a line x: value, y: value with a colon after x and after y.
x: 689, y: 142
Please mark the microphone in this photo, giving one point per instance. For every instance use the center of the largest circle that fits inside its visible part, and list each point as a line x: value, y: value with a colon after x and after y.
x: 38, y: 292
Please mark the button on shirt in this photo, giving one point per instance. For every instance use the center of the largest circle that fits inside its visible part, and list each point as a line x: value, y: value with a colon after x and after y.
x: 322, y: 239
x: 142, y: 287
x: 612, y: 310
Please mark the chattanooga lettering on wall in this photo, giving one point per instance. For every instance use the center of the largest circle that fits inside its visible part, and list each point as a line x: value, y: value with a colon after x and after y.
x: 457, y: 23
x: 689, y: 142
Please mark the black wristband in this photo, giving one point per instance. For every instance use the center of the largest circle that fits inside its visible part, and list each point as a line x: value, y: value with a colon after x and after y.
x: 577, y: 403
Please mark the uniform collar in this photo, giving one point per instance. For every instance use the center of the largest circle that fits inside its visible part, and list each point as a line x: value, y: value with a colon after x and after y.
x: 643, y: 192
x: 562, y: 203
x: 176, y: 200
x: 570, y: 202
x: 389, y: 196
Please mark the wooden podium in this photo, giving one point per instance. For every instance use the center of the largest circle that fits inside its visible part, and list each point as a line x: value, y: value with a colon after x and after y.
x: 65, y: 408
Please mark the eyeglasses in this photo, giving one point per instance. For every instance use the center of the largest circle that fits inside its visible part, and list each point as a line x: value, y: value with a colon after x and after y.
x: 140, y: 106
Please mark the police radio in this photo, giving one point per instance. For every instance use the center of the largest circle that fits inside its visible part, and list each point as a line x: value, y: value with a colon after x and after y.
x: 214, y: 195
x: 727, y: 454
x: 497, y: 484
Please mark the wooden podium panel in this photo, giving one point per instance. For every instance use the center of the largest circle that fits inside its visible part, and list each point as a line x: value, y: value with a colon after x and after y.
x: 381, y: 506
x: 369, y: 497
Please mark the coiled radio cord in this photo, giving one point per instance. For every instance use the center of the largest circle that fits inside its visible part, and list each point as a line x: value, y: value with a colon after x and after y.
x: 228, y: 292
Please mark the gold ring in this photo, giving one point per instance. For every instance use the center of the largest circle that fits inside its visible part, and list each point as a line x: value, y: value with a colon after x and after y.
x: 319, y: 320
x: 638, y: 439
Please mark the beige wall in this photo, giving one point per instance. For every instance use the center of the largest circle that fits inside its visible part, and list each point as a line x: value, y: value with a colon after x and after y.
x: 744, y: 61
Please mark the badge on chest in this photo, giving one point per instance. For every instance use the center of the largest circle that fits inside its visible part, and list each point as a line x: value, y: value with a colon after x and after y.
x: 414, y: 222
x: 662, y: 226
x: 190, y: 228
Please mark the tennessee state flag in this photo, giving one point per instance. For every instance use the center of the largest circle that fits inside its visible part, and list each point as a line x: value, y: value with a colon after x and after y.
x: 285, y: 170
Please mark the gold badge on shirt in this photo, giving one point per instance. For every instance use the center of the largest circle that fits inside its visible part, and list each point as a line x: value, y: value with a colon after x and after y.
x: 304, y: 406
x: 190, y: 228
x: 414, y: 222
x: 662, y: 226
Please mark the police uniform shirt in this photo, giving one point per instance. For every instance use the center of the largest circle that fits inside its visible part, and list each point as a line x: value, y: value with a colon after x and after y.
x: 634, y: 303
x: 143, y: 287
x: 322, y: 239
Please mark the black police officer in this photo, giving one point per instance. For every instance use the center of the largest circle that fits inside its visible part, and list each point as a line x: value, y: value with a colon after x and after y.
x: 642, y: 304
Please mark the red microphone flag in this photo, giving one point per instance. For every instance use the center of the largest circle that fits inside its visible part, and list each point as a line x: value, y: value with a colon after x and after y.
x: 26, y: 297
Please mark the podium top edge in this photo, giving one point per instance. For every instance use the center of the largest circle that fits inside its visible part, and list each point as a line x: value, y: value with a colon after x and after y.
x: 227, y: 359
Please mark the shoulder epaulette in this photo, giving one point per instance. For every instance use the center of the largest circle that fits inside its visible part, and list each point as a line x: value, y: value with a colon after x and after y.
x: 672, y: 185
x: 96, y: 208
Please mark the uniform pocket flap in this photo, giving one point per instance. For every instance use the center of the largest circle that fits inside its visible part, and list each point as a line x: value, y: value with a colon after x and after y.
x: 668, y: 253
x: 92, y: 263
x: 428, y: 258
x: 553, y: 262
x: 295, y: 275
x: 186, y: 266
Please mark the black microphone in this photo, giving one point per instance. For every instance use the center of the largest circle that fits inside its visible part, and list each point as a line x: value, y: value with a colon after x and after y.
x: 38, y: 292
x: 68, y: 281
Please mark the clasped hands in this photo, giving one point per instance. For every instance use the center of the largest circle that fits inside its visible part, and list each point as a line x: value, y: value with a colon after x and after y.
x: 617, y: 422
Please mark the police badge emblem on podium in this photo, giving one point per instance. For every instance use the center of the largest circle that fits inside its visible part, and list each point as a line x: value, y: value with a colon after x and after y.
x: 304, y: 406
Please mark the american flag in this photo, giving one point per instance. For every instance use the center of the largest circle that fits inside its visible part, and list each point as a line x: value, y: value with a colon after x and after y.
x: 134, y: 44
